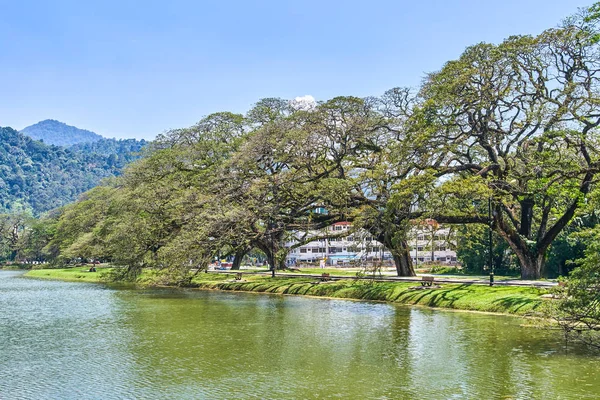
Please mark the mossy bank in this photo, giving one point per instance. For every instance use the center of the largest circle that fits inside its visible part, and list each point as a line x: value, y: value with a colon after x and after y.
x: 524, y: 301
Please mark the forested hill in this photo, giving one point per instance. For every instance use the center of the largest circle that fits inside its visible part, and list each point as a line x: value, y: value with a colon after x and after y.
x: 111, y: 147
x: 58, y: 133
x: 39, y: 177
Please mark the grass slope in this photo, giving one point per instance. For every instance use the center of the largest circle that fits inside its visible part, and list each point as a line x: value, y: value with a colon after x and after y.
x: 77, y: 274
x: 500, y: 299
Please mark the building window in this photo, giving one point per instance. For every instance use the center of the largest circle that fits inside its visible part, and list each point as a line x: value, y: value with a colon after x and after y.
x: 302, y: 250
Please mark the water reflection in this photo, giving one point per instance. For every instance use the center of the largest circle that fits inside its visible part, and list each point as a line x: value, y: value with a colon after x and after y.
x: 63, y: 340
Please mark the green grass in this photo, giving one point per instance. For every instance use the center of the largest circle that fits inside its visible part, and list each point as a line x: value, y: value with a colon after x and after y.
x: 75, y: 274
x: 499, y: 299
x: 319, y: 271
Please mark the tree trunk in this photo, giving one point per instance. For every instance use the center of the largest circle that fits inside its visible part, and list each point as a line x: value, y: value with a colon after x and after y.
x: 271, y: 250
x: 275, y: 262
x: 561, y: 268
x: 402, y: 260
x: 532, y: 264
x: 526, y: 217
x: 531, y: 258
x: 532, y: 268
x: 237, y: 259
x: 404, y: 265
x: 270, y: 259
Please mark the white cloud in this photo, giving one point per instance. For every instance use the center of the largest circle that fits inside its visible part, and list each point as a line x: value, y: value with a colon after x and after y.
x: 306, y: 102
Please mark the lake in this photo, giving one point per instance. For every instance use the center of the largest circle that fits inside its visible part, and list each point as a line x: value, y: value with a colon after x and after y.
x: 61, y: 340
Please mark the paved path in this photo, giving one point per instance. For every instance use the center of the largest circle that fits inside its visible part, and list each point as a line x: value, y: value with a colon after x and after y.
x: 418, y: 278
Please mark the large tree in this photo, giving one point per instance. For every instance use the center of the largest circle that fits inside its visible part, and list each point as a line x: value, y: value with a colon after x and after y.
x: 277, y: 180
x: 521, y: 118
x: 367, y: 149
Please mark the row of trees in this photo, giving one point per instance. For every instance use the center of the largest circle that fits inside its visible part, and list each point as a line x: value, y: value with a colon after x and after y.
x: 513, y: 125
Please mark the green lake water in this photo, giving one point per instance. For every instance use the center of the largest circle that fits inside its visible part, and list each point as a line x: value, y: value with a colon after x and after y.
x: 63, y: 340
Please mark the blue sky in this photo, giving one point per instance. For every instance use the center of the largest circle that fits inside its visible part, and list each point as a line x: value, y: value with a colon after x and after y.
x: 137, y: 68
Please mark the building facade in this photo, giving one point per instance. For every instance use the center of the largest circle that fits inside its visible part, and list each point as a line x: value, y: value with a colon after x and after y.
x: 339, y: 244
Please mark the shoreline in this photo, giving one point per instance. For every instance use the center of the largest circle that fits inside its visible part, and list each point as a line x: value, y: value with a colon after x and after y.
x: 501, y: 300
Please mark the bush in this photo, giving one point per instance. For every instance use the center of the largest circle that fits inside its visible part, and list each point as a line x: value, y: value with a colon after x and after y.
x: 578, y: 309
x: 443, y: 269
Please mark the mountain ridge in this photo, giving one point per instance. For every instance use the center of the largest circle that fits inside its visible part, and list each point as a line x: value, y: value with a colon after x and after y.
x: 51, y: 131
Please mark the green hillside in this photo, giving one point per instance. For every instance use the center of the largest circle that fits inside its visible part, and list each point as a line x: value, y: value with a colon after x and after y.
x: 38, y: 177
x: 60, y: 134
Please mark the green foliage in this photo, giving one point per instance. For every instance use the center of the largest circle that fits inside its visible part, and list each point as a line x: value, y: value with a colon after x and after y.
x: 12, y: 229
x: 119, y: 152
x: 519, y: 118
x: 472, y: 250
x: 445, y: 270
x: 37, y: 235
x: 577, y: 310
x: 36, y: 177
x: 569, y: 246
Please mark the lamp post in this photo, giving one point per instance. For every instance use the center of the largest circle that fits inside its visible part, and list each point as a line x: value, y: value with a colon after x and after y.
x: 273, y: 256
x: 417, y: 250
x: 490, y: 258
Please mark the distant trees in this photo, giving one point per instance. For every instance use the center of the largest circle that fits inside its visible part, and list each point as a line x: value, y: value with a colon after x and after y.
x: 472, y: 250
x: 36, y: 177
x: 12, y: 228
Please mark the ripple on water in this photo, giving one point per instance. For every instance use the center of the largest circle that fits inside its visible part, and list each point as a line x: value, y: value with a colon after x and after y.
x: 72, y: 340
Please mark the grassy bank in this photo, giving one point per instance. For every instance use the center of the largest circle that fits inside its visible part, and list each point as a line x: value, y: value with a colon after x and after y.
x: 500, y: 299
x: 15, y: 267
x: 76, y: 274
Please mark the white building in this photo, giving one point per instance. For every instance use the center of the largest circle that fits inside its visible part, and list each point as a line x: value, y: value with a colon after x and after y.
x: 432, y: 243
x: 429, y: 242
